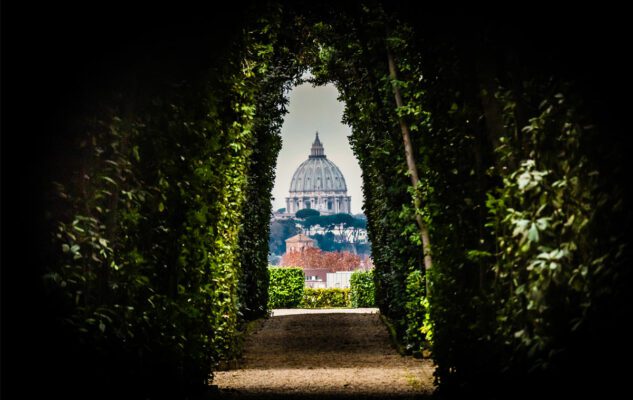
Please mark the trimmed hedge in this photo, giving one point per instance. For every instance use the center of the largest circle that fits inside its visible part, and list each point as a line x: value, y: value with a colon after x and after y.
x: 326, y: 298
x: 143, y: 274
x: 416, y: 312
x: 362, y: 289
x: 286, y: 287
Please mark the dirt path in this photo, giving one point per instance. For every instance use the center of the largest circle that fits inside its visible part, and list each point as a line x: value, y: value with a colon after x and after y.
x: 320, y: 356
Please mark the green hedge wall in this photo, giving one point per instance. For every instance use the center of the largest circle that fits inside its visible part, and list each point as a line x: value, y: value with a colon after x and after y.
x: 156, y: 218
x: 416, y: 313
x: 362, y: 289
x: 326, y: 298
x: 520, y: 189
x: 286, y: 287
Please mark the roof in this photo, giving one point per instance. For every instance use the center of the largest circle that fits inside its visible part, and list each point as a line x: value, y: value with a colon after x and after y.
x: 299, y: 238
x: 318, y: 173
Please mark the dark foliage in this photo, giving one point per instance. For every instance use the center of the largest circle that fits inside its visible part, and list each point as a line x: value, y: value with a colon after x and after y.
x: 160, y: 129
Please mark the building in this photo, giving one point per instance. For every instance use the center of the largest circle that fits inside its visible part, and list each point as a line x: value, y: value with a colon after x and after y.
x: 316, y: 278
x: 338, y: 279
x: 299, y: 242
x: 318, y: 184
x: 323, y: 278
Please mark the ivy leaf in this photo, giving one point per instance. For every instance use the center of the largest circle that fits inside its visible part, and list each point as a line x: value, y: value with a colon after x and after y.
x: 542, y: 223
x: 533, y: 233
x: 524, y: 180
x: 520, y: 226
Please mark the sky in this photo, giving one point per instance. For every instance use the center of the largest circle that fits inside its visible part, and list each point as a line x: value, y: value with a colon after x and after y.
x: 314, y: 109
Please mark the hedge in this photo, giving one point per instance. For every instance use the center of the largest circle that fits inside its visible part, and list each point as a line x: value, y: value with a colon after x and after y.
x: 286, y: 287
x: 416, y: 311
x: 326, y: 298
x: 145, y: 216
x: 156, y: 251
x: 362, y: 289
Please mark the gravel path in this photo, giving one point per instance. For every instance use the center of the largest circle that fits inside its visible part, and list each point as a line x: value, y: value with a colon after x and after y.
x: 297, y: 311
x: 324, y: 356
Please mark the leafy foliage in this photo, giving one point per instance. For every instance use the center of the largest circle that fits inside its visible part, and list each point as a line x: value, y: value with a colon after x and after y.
x: 326, y: 298
x: 362, y: 289
x: 419, y: 332
x: 510, y: 164
x: 307, y: 212
x: 286, y: 287
x: 317, y: 258
x: 160, y: 219
x: 280, y: 230
x: 155, y: 267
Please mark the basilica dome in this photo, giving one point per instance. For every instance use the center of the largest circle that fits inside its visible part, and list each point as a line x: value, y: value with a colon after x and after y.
x: 317, y: 173
x: 319, y: 184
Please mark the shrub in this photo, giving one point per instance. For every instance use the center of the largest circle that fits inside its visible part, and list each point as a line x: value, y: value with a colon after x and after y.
x: 286, y: 287
x: 416, y: 310
x: 326, y: 298
x: 362, y: 291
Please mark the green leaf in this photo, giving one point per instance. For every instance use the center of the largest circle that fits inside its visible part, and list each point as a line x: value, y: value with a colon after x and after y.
x: 542, y: 223
x: 533, y: 233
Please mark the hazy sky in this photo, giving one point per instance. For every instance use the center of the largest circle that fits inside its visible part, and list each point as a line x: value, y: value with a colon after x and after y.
x: 314, y: 109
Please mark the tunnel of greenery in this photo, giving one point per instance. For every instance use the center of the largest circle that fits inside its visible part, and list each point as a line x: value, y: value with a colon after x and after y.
x: 157, y: 221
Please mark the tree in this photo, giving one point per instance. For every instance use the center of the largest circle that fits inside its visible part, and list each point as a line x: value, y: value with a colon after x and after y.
x: 279, y: 232
x: 327, y: 242
x: 317, y: 258
x: 306, y: 213
x: 412, y: 168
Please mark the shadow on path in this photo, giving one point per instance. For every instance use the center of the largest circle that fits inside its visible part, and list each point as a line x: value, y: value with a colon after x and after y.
x: 324, y: 356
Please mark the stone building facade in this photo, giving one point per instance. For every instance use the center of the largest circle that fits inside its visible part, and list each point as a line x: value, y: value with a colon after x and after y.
x: 299, y: 242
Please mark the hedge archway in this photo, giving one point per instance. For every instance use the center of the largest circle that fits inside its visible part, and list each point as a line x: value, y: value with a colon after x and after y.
x: 159, y: 214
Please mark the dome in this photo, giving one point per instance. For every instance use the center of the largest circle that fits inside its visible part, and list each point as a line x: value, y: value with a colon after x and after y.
x: 317, y: 173
x: 318, y: 184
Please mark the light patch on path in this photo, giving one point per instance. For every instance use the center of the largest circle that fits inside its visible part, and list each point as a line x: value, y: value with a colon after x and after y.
x: 331, y: 354
x: 297, y: 311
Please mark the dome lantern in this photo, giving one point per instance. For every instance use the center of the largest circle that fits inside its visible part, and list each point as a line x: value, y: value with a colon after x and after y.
x: 317, y: 148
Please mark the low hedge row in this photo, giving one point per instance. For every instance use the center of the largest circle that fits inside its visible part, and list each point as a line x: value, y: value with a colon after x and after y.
x: 287, y: 290
x: 326, y: 298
